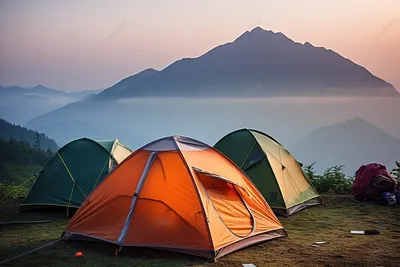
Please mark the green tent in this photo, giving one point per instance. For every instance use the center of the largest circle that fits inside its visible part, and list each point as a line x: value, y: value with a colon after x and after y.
x: 276, y: 173
x: 74, y: 170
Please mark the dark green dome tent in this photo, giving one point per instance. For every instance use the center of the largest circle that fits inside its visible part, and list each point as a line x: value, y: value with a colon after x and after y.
x: 74, y: 171
x: 276, y: 173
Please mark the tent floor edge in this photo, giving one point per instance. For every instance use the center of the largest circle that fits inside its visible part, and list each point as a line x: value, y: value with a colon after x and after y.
x: 309, y: 203
x: 247, y: 242
x: 205, y: 254
x: 280, y: 211
x: 46, y: 208
x: 286, y: 212
x: 209, y: 254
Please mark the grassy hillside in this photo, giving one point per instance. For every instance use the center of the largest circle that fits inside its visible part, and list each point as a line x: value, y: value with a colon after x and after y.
x: 18, y: 163
x: 16, y: 173
x: 331, y: 223
x: 33, y: 138
x: 23, y: 153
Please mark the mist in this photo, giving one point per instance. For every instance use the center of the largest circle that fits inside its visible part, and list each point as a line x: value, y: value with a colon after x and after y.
x: 137, y: 121
x: 20, y: 110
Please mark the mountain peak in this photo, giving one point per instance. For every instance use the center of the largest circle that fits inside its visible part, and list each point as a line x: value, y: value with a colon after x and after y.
x: 258, y: 63
x: 357, y: 126
x: 308, y: 44
x: 352, y: 142
x: 148, y: 71
x: 126, y: 84
x: 39, y: 86
x: 41, y: 89
x: 143, y: 74
x: 356, y: 120
x: 258, y: 29
x: 261, y: 37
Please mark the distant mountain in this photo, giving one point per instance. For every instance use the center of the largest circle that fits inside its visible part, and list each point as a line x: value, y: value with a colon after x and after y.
x: 352, y: 143
x: 258, y: 63
x: 11, y: 131
x: 119, y: 89
x: 43, y: 90
x: 19, y: 104
x: 85, y: 93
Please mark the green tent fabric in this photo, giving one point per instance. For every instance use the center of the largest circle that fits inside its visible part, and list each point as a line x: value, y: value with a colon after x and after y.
x: 73, y: 172
x: 275, y: 172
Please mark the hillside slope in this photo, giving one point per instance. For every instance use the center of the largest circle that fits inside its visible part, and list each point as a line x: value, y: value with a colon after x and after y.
x: 11, y: 131
x: 351, y: 143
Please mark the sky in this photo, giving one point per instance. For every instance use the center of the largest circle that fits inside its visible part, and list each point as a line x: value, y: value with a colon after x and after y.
x: 80, y: 45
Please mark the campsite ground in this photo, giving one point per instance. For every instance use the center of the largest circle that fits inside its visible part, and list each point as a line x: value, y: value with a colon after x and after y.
x: 330, y: 223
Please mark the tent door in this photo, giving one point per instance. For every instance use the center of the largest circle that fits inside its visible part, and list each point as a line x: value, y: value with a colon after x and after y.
x: 225, y: 196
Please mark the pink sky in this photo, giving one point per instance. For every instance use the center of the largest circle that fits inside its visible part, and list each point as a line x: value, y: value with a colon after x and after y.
x: 76, y: 45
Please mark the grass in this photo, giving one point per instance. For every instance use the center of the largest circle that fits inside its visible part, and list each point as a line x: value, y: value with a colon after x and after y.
x: 17, y: 173
x: 330, y: 223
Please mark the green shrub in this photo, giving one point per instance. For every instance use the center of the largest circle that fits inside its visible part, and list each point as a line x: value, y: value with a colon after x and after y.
x: 332, y: 181
x: 18, y: 152
x: 396, y: 171
x: 12, y: 191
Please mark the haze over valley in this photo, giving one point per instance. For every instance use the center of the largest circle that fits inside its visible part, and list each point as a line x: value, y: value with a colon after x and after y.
x: 322, y: 107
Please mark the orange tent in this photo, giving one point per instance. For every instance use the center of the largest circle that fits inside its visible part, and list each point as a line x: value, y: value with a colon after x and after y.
x: 177, y: 194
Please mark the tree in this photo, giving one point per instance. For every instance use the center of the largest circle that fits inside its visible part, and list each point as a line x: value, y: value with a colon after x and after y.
x: 37, y: 141
x: 310, y: 171
x: 23, y: 134
x: 396, y: 171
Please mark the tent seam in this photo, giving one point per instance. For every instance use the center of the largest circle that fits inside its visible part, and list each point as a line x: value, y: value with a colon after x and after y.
x: 248, y: 154
x: 266, y: 157
x: 197, y: 192
x: 70, y: 174
x: 70, y: 197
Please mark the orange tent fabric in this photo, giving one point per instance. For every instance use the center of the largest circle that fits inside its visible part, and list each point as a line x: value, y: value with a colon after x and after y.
x: 177, y: 194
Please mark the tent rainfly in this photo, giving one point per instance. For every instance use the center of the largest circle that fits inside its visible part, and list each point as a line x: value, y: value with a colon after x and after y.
x: 276, y: 173
x: 177, y: 194
x: 74, y: 171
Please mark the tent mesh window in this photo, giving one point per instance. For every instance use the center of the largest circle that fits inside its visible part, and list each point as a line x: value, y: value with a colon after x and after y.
x: 255, y: 156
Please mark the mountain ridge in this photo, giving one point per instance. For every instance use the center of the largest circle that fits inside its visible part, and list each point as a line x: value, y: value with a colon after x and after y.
x: 351, y: 143
x: 41, y: 89
x: 258, y: 63
x: 20, y: 104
